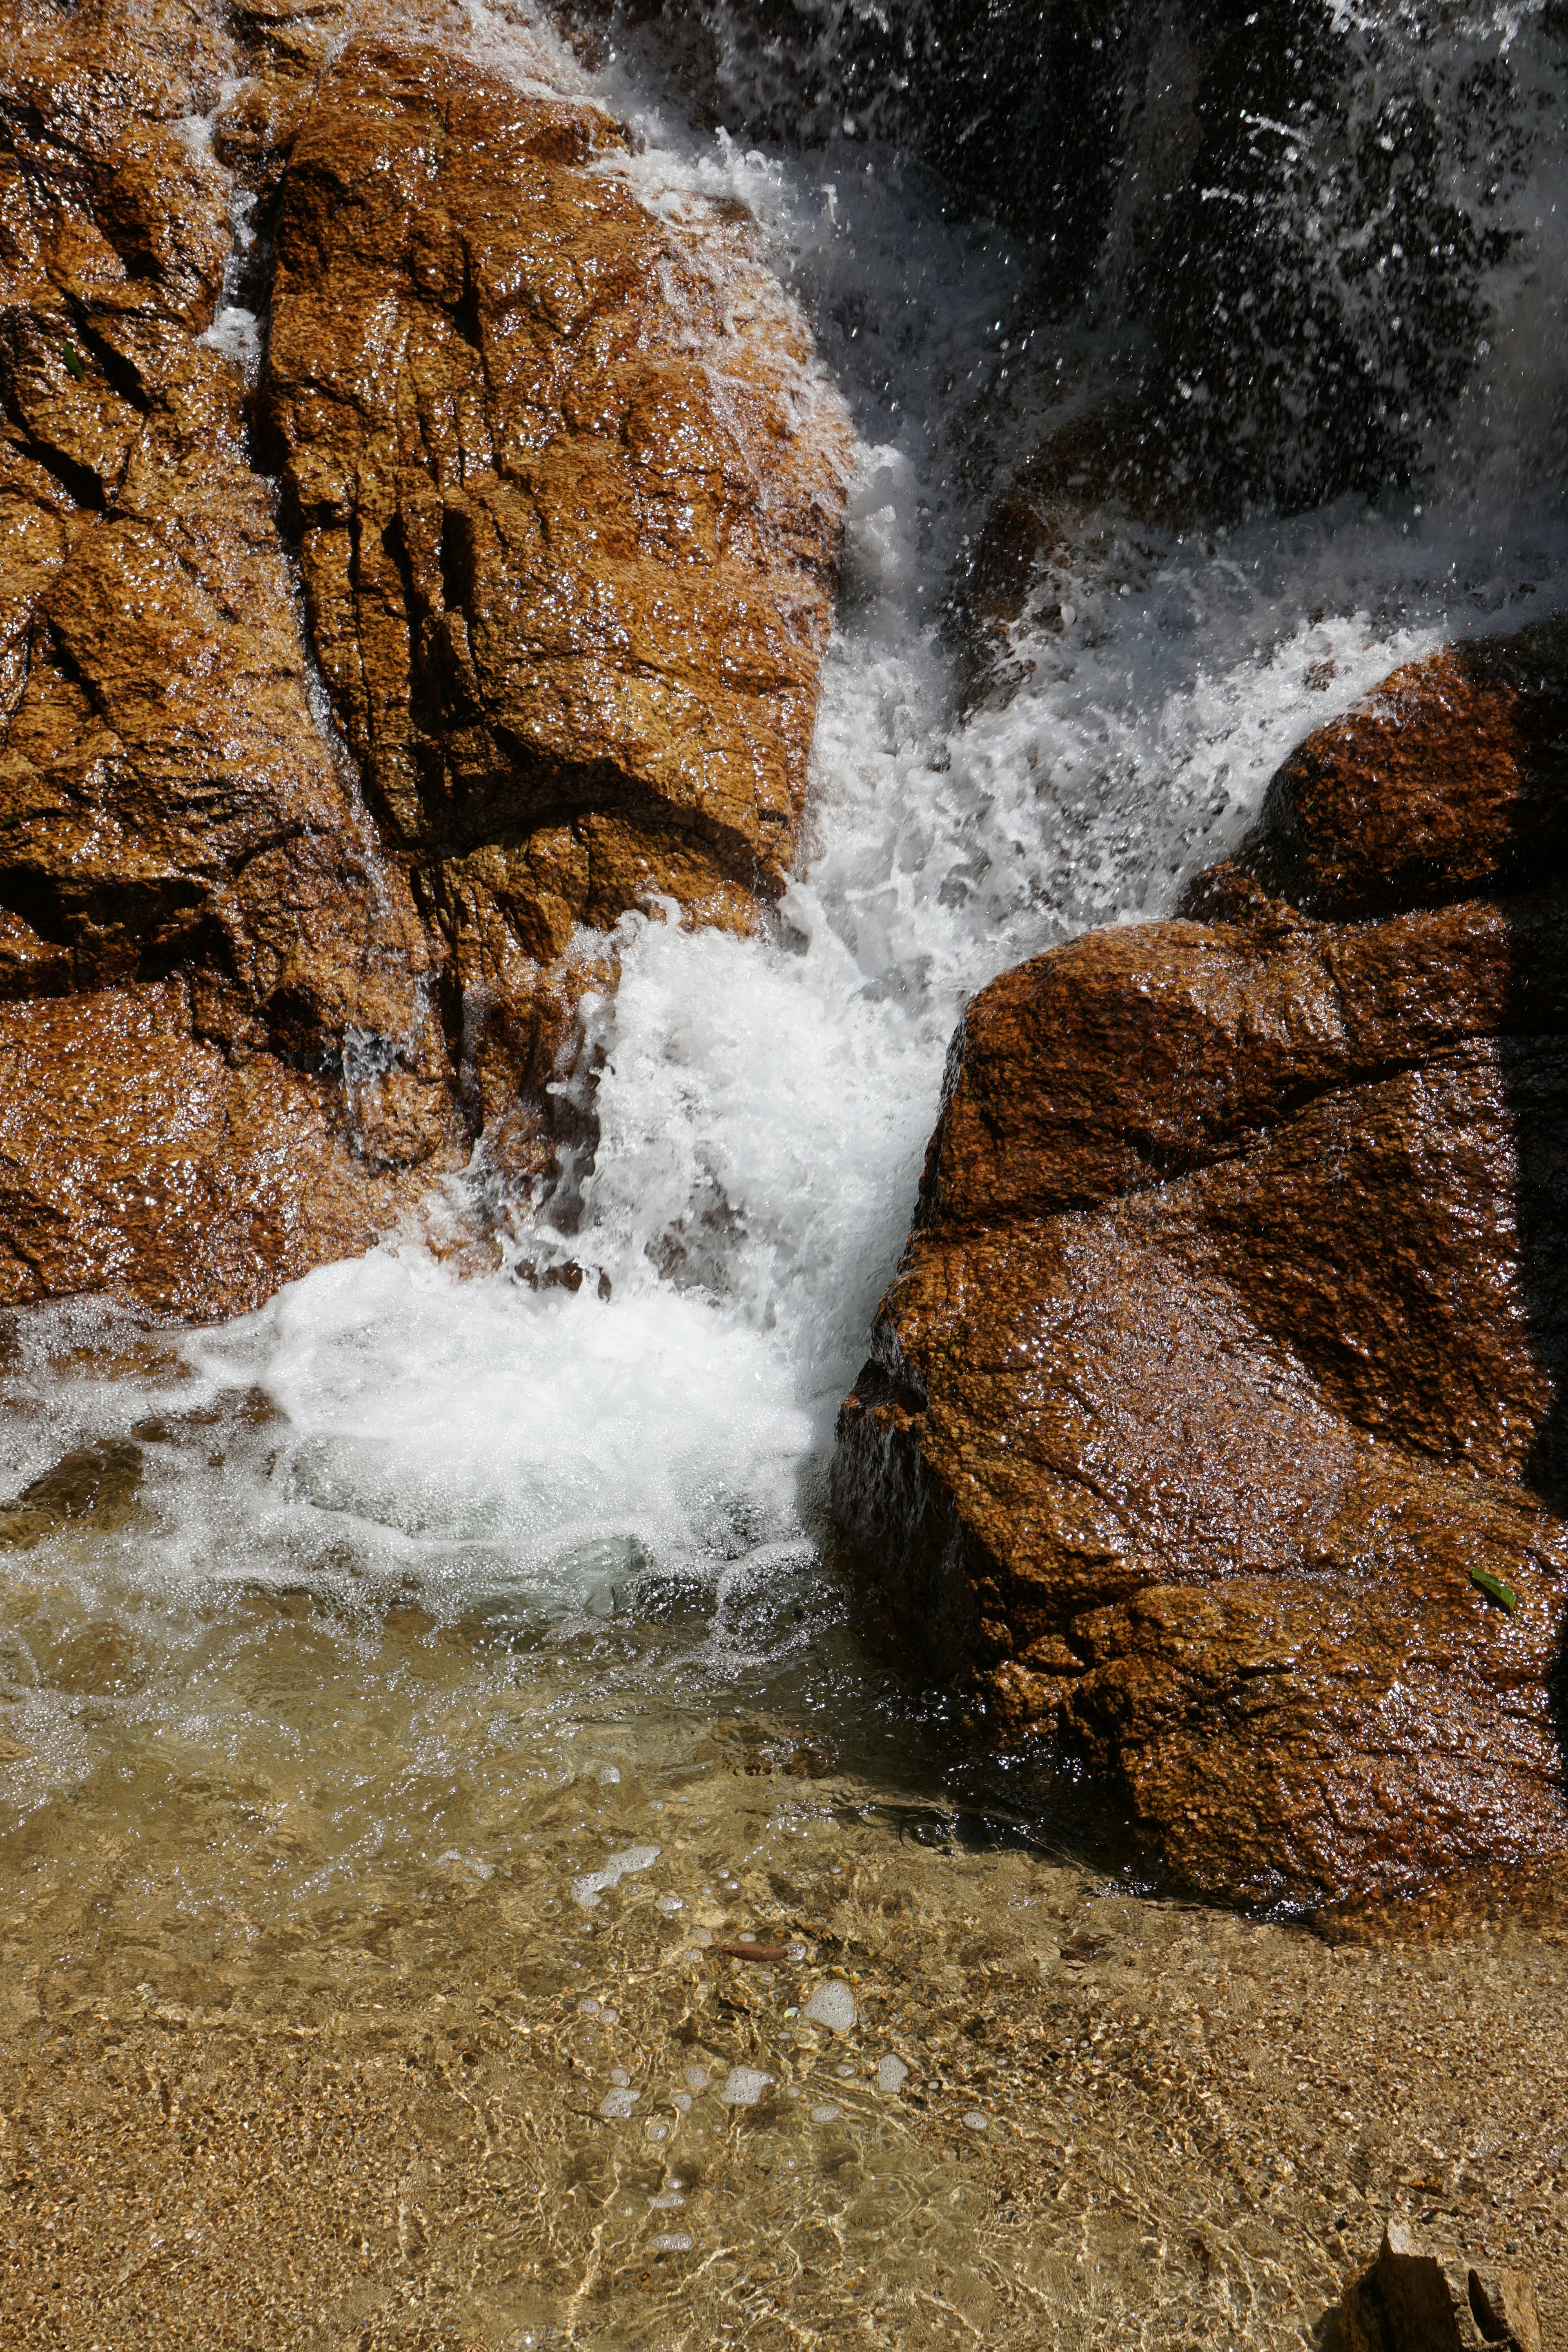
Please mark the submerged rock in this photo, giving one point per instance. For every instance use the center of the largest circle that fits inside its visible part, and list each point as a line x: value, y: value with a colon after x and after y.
x: 1230, y: 1342
x: 1418, y: 2297
x: 567, y: 496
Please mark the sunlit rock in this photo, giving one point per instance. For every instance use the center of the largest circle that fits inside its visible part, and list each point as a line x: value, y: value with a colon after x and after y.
x: 1213, y: 1421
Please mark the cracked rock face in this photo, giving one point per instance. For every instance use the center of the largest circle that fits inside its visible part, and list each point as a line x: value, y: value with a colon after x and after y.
x: 1231, y: 1339
x: 566, y: 526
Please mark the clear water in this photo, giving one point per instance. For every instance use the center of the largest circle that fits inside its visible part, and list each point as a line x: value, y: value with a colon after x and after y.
x: 419, y: 1585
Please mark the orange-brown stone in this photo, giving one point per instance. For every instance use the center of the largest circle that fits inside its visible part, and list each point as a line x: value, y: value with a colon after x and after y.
x: 1231, y: 1339
x: 568, y: 519
x: 569, y: 503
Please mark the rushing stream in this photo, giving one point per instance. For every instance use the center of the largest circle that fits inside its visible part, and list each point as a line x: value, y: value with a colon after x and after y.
x: 321, y: 1629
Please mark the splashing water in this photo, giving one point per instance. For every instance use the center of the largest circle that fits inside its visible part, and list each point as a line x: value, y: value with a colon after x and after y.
x: 761, y: 1105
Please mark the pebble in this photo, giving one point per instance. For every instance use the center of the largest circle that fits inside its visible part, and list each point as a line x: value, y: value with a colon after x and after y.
x: 891, y: 2075
x: 672, y: 2242
x: 978, y: 2122
x: 667, y: 2202
x: 833, y: 2005
x: 669, y: 1905
x: 619, y: 2077
x: 587, y: 2009
x: 698, y: 2077
x: 658, y: 2131
x: 587, y: 1888
x: 682, y: 2099
x: 744, y: 2086
x: 826, y: 2115
x: 616, y: 2105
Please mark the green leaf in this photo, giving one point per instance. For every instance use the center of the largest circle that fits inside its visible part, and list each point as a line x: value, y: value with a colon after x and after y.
x: 74, y: 362
x: 1494, y: 1588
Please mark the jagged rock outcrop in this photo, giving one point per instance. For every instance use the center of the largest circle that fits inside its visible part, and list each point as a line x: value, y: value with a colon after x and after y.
x: 1232, y: 1337
x: 568, y: 503
x: 568, y: 506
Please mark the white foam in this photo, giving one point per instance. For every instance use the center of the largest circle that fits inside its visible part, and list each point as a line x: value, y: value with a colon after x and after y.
x: 832, y: 2005
x: 590, y: 1884
x: 744, y: 2086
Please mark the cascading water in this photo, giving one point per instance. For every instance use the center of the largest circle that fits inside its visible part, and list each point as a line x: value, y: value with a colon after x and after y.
x: 397, y: 1559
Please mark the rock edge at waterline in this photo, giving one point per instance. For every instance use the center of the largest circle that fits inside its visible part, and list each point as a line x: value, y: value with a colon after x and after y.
x: 1213, y: 1421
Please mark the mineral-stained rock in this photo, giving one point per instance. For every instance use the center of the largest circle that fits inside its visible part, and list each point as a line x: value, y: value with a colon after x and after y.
x: 568, y: 502
x: 567, y: 538
x: 1232, y: 1337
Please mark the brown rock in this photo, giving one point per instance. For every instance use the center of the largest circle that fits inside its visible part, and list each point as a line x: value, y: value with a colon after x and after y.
x: 1229, y: 1341
x: 568, y: 530
x: 526, y: 428
x: 1451, y: 780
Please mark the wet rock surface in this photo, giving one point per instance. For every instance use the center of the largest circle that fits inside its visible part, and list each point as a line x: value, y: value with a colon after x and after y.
x: 567, y: 529
x: 569, y: 504
x: 1227, y: 1350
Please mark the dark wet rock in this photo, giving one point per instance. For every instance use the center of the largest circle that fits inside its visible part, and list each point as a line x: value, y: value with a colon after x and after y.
x: 1020, y: 105
x: 1231, y: 1338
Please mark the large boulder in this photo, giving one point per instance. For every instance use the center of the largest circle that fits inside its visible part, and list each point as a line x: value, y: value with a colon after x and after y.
x: 568, y: 500
x: 569, y: 494
x: 1212, y: 1424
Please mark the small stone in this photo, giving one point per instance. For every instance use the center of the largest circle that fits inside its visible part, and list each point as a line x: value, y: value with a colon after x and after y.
x: 977, y: 2122
x: 587, y: 2009
x: 826, y: 2115
x: 618, y: 2075
x: 672, y: 2242
x: 667, y: 2201
x: 682, y: 2099
x: 669, y: 1905
x: 616, y: 2105
x: 891, y: 2075
x: 696, y: 2076
x: 832, y: 2005
x: 658, y: 2131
